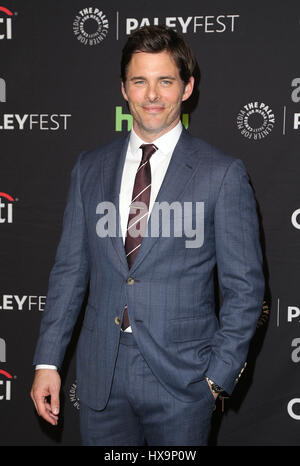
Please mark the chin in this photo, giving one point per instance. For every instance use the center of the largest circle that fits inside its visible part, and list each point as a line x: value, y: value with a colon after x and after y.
x: 155, y: 126
x: 153, y: 129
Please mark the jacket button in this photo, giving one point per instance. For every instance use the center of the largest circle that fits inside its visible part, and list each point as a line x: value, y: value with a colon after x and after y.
x: 130, y: 281
x: 117, y: 320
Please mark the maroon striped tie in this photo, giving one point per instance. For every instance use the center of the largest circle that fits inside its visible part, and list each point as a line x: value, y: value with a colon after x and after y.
x: 138, y: 212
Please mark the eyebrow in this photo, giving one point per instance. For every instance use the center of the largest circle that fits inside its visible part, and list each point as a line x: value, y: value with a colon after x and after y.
x: 171, y: 78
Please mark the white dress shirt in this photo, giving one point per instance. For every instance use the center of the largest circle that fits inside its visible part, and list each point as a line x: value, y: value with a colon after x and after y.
x: 159, y: 163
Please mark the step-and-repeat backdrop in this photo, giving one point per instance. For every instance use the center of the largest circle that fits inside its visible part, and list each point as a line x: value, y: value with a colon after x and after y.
x: 60, y: 95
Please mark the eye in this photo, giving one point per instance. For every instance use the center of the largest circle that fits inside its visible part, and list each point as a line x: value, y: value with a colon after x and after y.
x: 139, y: 82
x: 166, y: 82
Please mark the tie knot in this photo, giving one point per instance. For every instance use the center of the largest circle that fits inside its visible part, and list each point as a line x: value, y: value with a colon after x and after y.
x: 148, y: 150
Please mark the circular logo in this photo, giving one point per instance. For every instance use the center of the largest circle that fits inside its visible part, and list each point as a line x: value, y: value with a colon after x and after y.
x: 294, y: 219
x: 73, y: 396
x: 255, y: 120
x: 90, y: 26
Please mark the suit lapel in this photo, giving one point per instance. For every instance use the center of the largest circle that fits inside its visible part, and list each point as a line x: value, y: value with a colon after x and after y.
x: 111, y: 183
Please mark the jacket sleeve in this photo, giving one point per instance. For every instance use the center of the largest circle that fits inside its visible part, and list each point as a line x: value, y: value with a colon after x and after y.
x: 68, y: 280
x: 240, y: 274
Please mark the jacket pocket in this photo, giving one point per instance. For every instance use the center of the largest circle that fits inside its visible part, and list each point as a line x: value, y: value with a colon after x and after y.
x: 190, y: 328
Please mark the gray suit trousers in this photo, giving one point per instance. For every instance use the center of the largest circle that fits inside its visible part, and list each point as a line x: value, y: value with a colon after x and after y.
x: 140, y: 411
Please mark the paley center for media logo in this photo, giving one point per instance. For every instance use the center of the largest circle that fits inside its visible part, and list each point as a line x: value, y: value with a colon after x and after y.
x: 255, y: 120
x: 90, y: 26
x: 6, y: 23
x: 73, y: 395
x: 30, y: 121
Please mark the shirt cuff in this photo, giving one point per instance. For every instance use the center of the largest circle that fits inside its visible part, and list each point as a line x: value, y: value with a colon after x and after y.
x: 45, y: 366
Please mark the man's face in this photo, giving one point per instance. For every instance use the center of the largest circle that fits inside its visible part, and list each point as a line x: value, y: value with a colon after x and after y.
x: 154, y: 92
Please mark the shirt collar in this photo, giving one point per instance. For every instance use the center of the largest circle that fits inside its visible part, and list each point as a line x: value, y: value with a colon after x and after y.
x: 165, y: 143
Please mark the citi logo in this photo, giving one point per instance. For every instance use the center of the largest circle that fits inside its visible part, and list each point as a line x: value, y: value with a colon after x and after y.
x: 2, y: 90
x: 5, y: 385
x: 5, y: 23
x: 6, y: 208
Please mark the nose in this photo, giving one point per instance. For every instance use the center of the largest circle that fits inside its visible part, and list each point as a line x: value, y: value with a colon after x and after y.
x: 152, y: 93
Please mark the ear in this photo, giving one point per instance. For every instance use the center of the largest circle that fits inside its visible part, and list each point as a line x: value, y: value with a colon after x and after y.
x: 188, y: 89
x: 123, y: 90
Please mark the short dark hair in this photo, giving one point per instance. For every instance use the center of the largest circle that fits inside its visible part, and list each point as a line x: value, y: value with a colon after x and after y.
x: 155, y: 39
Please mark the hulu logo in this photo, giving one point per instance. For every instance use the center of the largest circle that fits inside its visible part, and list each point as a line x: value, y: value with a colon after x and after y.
x: 127, y: 118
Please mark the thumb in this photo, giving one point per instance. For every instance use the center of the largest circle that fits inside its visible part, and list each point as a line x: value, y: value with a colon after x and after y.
x: 54, y: 403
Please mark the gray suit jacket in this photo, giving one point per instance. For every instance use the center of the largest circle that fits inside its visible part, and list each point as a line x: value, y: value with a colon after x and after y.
x: 169, y: 290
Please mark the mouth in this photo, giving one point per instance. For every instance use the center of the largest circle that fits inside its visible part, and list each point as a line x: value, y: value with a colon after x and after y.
x: 153, y: 109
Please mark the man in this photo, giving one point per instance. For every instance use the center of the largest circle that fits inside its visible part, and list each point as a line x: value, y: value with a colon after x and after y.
x: 152, y: 355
